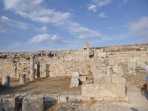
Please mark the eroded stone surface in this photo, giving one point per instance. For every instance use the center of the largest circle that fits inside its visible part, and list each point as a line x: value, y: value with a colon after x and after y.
x: 33, y: 103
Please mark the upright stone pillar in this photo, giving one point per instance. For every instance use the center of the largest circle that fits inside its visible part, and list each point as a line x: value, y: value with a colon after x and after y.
x: 6, y: 81
x: 47, y: 70
x: 22, y: 79
x: 38, y: 69
x: 32, y: 75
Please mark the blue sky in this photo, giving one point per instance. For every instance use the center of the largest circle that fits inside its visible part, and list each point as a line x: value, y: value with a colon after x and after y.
x: 32, y: 25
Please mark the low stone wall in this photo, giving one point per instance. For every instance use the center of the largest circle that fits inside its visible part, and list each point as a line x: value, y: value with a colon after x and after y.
x: 44, y: 102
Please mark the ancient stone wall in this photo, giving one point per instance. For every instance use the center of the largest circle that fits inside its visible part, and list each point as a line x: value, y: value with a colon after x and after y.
x: 128, y: 61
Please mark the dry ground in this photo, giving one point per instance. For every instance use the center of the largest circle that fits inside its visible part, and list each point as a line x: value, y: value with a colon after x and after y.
x: 58, y: 85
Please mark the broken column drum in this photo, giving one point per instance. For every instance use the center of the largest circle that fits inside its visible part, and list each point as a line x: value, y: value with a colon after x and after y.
x: 22, y: 79
x: 32, y: 75
x: 6, y: 81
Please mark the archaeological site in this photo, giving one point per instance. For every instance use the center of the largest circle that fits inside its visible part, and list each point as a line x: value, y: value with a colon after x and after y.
x: 85, y: 79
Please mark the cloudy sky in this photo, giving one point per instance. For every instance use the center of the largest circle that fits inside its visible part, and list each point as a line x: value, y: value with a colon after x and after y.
x: 31, y: 25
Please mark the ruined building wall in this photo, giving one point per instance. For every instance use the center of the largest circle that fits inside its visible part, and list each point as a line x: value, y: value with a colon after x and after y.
x: 129, y: 61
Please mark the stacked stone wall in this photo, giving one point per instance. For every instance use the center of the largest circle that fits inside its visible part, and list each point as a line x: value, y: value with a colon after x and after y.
x: 131, y: 61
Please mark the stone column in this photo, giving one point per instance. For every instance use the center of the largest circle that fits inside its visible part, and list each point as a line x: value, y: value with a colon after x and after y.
x: 32, y: 75
x: 6, y: 81
x: 38, y: 70
x: 22, y: 79
x: 47, y: 70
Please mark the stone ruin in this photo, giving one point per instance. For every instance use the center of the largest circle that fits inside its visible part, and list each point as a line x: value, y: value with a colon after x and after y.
x: 101, y: 72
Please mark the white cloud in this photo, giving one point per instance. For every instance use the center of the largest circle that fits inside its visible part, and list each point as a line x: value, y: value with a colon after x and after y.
x: 92, y: 8
x: 139, y: 28
x: 34, y: 10
x: 44, y: 37
x: 101, y: 3
x: 43, y: 28
x: 82, y: 32
x: 13, y: 23
x: 102, y: 15
x: 98, y: 4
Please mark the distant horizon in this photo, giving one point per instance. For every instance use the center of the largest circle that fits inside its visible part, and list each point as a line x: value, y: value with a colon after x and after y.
x: 70, y: 49
x: 28, y: 26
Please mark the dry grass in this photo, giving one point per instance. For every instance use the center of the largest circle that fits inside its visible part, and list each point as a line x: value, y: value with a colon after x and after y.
x: 58, y: 85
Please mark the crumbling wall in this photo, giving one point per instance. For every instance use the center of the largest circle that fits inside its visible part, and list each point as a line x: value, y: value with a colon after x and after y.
x: 7, y: 67
x: 131, y: 61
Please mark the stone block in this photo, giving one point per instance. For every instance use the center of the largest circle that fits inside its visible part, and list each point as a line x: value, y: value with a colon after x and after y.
x: 33, y: 103
x: 111, y: 63
x: 74, y: 79
x: 82, y: 78
x: 6, y: 81
x: 10, y: 103
x: 85, y: 98
x: 108, y: 99
x: 132, y: 64
x: 121, y: 99
x: 75, y: 74
x: 102, y: 79
x: 118, y: 79
x: 103, y: 90
x: 74, y: 98
x: 117, y: 69
x: 120, y: 90
x: 98, y: 99
x: 102, y: 55
x: 62, y: 99
x: 74, y: 85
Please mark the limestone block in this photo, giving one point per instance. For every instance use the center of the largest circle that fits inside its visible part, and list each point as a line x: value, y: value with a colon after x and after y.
x: 22, y: 78
x: 98, y: 99
x: 118, y: 79
x: 102, y: 78
x: 111, y: 62
x: 75, y: 74
x: 140, y: 63
x: 132, y: 64
x: 10, y: 103
x: 102, y: 55
x: 6, y: 81
x: 121, y: 99
x: 82, y: 78
x: 74, y: 79
x: 62, y: 99
x: 33, y: 103
x: 74, y: 85
x: 108, y: 99
x: 74, y: 98
x: 117, y: 69
x: 85, y: 98
x: 120, y: 90
x: 103, y: 90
